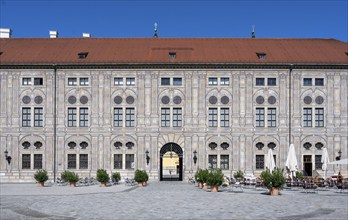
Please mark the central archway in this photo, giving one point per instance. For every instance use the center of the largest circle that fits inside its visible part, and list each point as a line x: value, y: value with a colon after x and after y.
x: 171, y: 162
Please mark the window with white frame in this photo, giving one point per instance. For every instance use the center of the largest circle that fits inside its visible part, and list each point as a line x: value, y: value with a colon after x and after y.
x: 38, y: 81
x: 212, y: 161
x: 71, y: 161
x: 260, y: 117
x: 260, y: 81
x: 26, y: 117
x: 177, y: 81
x: 130, y: 81
x: 26, y: 81
x: 118, y: 81
x: 224, y: 117
x: 83, y: 117
x: 117, y: 161
x: 225, y: 81
x: 307, y: 117
x: 165, y: 117
x: 177, y: 117
x: 319, y: 81
x: 307, y: 81
x: 26, y: 161
x: 129, y: 161
x: 213, y: 117
x: 271, y: 117
x: 260, y: 162
x: 118, y: 117
x: 72, y: 81
x: 212, y: 81
x: 84, y: 81
x: 224, y: 162
x: 318, y: 163
x: 271, y: 81
x: 38, y: 117
x: 72, y: 117
x: 37, y: 161
x: 165, y: 81
x: 130, y: 117
x: 319, y: 117
x: 83, y: 159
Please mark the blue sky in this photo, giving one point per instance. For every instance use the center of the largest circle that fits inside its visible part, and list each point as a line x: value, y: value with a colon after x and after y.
x: 180, y: 18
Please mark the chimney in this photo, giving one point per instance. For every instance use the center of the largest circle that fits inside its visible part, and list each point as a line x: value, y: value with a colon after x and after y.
x: 86, y: 35
x: 5, y: 33
x: 53, y: 34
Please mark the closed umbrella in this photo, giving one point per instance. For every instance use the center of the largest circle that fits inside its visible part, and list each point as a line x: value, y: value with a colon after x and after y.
x: 325, y: 161
x: 270, y: 164
x: 291, y: 160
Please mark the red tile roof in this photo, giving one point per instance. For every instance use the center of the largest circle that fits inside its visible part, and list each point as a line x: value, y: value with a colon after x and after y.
x: 156, y: 50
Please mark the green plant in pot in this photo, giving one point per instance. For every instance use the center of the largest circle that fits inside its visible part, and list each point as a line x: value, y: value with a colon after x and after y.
x: 299, y: 175
x: 116, y: 177
x: 273, y: 181
x: 140, y: 176
x: 204, y: 177
x: 102, y: 177
x: 41, y: 177
x: 70, y: 177
x: 215, y: 179
x: 239, y: 175
x: 198, y: 178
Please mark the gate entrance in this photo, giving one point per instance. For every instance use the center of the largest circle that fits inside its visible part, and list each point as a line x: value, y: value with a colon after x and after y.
x: 171, y: 162
x: 307, y: 164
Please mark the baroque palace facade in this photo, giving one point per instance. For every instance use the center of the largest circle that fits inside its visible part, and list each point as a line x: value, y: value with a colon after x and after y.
x: 123, y: 104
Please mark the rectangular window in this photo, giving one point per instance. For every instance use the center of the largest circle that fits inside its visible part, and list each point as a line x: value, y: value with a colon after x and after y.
x: 224, y: 162
x: 271, y: 81
x: 307, y: 81
x: 129, y: 161
x: 212, y: 161
x: 212, y: 81
x: 38, y: 81
x: 177, y: 117
x: 318, y: 163
x: 224, y: 117
x: 71, y: 161
x: 26, y: 117
x: 260, y: 81
x: 177, y: 81
x: 71, y: 117
x: 130, y: 117
x: 319, y: 117
x: 118, y: 81
x: 38, y: 117
x: 83, y: 161
x: 72, y: 81
x: 165, y: 81
x: 213, y: 117
x: 83, y: 117
x: 26, y: 81
x: 37, y: 161
x: 224, y: 81
x: 130, y: 81
x: 260, y: 117
x: 307, y: 117
x: 319, y: 81
x: 84, y: 81
x: 25, y: 161
x: 165, y: 117
x: 117, y: 161
x: 260, y: 162
x: 118, y: 117
x: 271, y: 117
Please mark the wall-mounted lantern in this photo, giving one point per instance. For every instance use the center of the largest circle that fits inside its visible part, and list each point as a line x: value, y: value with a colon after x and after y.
x: 195, y: 157
x: 147, y: 157
x: 8, y: 158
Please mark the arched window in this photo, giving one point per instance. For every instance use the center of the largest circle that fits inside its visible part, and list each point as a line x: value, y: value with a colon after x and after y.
x: 38, y: 145
x: 224, y: 145
x: 129, y: 145
x: 72, y: 145
x: 319, y: 145
x: 259, y: 145
x: 271, y: 145
x: 118, y: 145
x: 83, y: 145
x: 212, y: 145
x: 26, y: 145
x: 307, y: 145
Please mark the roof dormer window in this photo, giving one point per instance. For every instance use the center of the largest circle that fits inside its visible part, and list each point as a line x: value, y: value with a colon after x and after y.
x: 82, y: 55
x: 172, y: 55
x: 261, y: 56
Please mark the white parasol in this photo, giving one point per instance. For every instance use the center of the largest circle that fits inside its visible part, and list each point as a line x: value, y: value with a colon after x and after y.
x: 325, y: 161
x: 291, y: 160
x: 270, y: 164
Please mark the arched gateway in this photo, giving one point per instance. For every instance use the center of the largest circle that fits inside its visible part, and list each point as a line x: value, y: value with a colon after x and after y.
x: 171, y: 162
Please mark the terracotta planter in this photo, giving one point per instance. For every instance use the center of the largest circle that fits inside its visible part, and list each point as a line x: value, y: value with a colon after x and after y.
x: 103, y: 184
x: 72, y: 184
x: 274, y: 191
x: 140, y: 184
x: 205, y: 186
x: 42, y: 184
x: 200, y: 185
x: 214, y: 188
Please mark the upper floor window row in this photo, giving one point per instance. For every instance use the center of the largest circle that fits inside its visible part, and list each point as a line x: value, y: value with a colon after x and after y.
x: 309, y: 81
x: 27, y: 81
x: 166, y: 81
x: 83, y: 81
x: 213, y: 81
x: 262, y: 81
x: 119, y: 81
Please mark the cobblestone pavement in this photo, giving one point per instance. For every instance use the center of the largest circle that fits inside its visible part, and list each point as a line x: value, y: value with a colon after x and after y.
x: 166, y: 200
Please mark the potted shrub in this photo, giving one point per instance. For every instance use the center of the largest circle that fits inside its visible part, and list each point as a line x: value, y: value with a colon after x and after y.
x: 41, y: 177
x: 204, y: 177
x: 214, y: 179
x: 273, y: 181
x: 116, y: 177
x: 140, y: 176
x: 102, y: 177
x: 198, y: 178
x: 239, y: 175
x: 70, y: 177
